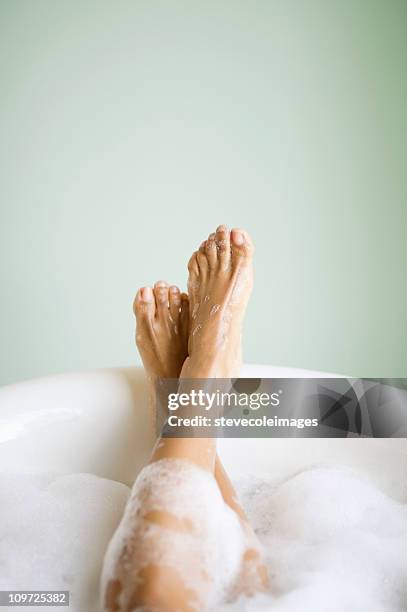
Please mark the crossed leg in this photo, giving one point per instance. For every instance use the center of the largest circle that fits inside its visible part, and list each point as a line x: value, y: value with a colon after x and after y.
x: 165, y: 554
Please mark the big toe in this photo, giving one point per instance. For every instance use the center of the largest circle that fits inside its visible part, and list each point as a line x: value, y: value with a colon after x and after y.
x: 193, y: 276
x: 241, y: 246
x: 144, y: 305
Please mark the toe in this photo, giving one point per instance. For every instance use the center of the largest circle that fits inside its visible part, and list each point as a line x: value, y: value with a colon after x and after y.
x: 193, y: 265
x: 193, y: 278
x: 144, y: 305
x: 161, y: 298
x: 184, y: 315
x: 144, y: 309
x: 202, y: 260
x: 174, y: 299
x: 242, y: 245
x: 222, y: 240
x: 210, y: 250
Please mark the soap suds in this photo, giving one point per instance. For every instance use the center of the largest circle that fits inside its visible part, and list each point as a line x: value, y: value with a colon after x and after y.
x: 206, y: 556
x: 195, y: 311
x: 224, y: 328
x: 54, y: 531
x: 221, y: 244
x: 332, y: 540
x: 197, y: 329
x: 239, y: 286
x: 193, y: 285
x: 215, y: 308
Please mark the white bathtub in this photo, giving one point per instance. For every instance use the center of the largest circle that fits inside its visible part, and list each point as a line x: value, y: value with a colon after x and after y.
x: 96, y: 422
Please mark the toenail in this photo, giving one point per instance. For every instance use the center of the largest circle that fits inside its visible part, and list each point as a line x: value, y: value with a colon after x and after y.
x: 222, y: 228
x: 237, y: 238
x: 146, y: 294
x: 161, y: 284
x: 174, y: 289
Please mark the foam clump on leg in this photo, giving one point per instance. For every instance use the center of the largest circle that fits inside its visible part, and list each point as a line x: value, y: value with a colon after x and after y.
x: 175, y: 524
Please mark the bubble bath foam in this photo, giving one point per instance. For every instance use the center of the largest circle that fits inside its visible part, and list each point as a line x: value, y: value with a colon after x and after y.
x: 332, y: 540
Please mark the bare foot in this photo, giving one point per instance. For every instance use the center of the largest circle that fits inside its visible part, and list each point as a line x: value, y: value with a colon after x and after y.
x: 162, y: 329
x: 219, y: 285
x: 161, y: 337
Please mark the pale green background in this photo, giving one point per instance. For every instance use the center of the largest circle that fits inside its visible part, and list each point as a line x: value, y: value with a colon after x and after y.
x: 130, y: 129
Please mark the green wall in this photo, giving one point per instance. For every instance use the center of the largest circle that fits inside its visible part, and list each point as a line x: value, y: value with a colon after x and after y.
x: 130, y: 129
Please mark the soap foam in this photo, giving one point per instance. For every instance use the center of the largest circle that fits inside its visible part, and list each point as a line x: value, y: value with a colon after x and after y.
x: 54, y: 531
x: 332, y: 540
x: 195, y: 311
x: 205, y: 553
x: 239, y: 287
